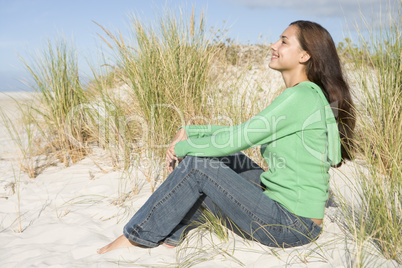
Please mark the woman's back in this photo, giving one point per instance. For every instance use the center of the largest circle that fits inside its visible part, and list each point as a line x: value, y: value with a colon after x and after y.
x: 298, y: 160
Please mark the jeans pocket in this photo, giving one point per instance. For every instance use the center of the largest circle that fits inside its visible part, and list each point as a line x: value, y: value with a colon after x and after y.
x: 299, y: 230
x: 289, y: 219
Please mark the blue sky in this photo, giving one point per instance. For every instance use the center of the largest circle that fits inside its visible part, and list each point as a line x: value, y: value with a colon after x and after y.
x: 26, y: 25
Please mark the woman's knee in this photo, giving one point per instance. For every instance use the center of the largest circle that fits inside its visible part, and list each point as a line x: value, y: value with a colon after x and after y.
x: 190, y: 162
x: 201, y: 163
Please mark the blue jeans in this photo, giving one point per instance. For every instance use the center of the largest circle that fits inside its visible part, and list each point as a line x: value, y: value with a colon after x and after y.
x: 232, y: 184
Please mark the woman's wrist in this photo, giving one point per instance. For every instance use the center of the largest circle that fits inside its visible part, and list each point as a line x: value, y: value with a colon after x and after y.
x: 180, y: 135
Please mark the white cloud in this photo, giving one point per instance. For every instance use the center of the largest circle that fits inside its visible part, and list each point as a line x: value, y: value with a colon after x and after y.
x: 325, y: 8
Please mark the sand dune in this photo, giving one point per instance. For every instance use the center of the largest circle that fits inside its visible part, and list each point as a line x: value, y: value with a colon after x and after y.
x: 67, y: 213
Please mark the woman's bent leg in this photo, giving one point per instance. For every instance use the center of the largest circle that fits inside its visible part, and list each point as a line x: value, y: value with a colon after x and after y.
x: 246, y: 205
x: 243, y: 166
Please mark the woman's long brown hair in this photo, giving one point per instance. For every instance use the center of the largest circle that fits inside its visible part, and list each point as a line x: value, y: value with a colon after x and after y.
x: 324, y: 69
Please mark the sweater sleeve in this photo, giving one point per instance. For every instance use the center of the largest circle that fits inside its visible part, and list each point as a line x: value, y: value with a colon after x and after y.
x: 284, y: 116
x: 199, y: 131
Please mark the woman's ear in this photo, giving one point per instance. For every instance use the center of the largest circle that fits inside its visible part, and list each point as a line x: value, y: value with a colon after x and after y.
x: 304, y: 57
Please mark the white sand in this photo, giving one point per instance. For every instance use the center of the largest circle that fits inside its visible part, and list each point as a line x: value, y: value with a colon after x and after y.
x: 67, y: 213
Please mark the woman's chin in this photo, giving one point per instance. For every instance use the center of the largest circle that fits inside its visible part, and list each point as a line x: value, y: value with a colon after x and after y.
x: 272, y: 66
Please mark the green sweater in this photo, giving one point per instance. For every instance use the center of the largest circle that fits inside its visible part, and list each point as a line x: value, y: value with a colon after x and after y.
x: 299, y: 141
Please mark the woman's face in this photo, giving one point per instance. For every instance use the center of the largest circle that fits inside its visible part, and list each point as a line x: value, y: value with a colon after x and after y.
x: 287, y: 53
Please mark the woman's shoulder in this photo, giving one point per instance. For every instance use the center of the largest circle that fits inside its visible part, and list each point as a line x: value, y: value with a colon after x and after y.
x: 304, y: 90
x: 305, y: 85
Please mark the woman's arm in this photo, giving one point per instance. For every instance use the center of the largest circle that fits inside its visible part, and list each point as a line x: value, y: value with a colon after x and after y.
x: 286, y: 115
x: 199, y: 131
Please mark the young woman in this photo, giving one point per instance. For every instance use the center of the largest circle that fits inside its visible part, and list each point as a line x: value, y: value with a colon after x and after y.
x: 306, y: 129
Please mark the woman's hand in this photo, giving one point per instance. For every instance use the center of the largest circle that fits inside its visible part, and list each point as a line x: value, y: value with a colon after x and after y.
x: 171, y: 158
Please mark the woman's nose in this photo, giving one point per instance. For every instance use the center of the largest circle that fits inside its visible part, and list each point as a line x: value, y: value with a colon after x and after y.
x: 273, y: 46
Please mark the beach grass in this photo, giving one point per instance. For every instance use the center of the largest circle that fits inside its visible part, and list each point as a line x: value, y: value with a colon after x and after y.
x: 56, y: 114
x: 377, y: 219
x: 165, y: 66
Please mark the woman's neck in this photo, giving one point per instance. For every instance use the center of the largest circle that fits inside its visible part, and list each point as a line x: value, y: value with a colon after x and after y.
x: 292, y: 79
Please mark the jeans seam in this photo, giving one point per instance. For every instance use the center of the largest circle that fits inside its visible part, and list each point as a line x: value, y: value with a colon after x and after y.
x: 138, y: 240
x: 161, y: 201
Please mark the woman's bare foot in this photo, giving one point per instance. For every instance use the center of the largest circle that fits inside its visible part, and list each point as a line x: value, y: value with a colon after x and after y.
x: 120, y: 242
x: 167, y: 245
